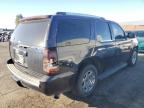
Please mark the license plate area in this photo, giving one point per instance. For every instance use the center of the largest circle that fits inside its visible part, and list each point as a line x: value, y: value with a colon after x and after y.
x: 20, y: 57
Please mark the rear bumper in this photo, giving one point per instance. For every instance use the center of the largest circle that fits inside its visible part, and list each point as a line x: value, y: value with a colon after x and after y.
x: 47, y: 84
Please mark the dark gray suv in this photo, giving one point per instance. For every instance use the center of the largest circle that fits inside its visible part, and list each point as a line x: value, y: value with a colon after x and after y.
x: 62, y: 52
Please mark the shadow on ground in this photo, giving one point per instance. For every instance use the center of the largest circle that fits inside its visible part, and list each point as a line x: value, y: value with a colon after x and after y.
x: 124, y: 89
x: 97, y: 101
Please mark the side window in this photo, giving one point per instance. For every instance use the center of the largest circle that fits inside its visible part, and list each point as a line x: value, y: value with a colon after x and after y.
x: 73, y: 31
x: 118, y: 33
x: 102, y: 31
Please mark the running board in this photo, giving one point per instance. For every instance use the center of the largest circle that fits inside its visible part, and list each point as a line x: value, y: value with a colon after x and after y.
x: 111, y: 71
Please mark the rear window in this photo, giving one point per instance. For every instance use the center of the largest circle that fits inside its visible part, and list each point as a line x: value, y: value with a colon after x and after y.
x: 31, y: 33
x: 73, y: 31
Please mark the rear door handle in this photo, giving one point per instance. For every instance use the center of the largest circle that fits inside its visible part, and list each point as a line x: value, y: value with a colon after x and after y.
x: 67, y: 43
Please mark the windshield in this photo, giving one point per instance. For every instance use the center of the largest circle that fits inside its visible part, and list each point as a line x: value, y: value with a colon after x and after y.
x: 31, y: 33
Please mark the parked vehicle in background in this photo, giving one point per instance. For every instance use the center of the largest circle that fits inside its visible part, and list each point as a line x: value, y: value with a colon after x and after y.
x: 5, y: 35
x: 1, y: 38
x: 68, y: 52
x: 2, y: 35
x: 140, y: 37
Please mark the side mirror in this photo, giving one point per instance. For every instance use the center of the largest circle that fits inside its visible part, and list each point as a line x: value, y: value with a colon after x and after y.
x: 119, y: 37
x: 130, y: 35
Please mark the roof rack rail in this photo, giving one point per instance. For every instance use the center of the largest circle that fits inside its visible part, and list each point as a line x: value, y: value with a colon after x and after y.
x: 78, y: 14
x: 61, y: 13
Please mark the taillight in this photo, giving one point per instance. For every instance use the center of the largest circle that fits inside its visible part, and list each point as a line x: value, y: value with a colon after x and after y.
x: 50, y: 66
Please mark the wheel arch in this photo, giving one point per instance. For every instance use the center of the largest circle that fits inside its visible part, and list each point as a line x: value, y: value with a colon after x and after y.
x: 96, y: 61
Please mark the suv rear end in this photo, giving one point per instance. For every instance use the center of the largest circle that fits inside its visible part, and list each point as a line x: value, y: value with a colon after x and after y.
x: 33, y: 52
x: 68, y: 51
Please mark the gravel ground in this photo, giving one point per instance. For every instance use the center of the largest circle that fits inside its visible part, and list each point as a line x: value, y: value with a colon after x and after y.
x: 124, y: 89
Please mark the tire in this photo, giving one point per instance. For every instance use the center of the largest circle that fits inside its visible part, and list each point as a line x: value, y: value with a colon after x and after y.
x: 133, y: 58
x: 87, y: 80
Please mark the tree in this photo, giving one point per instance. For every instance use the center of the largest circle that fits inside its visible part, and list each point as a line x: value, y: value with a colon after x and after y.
x: 18, y: 17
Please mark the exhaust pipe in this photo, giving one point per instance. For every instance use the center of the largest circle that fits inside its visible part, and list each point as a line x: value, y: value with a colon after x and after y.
x: 57, y: 96
x: 20, y: 84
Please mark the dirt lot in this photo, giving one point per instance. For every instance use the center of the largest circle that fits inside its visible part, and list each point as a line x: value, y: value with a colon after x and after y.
x: 124, y: 89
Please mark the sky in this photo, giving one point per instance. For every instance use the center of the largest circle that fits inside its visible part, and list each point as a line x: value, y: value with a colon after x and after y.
x: 116, y: 10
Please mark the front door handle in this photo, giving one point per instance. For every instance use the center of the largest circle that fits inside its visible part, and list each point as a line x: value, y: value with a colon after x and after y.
x: 101, y: 49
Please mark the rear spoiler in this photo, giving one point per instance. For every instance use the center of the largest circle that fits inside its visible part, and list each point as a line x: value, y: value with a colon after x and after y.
x: 35, y: 18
